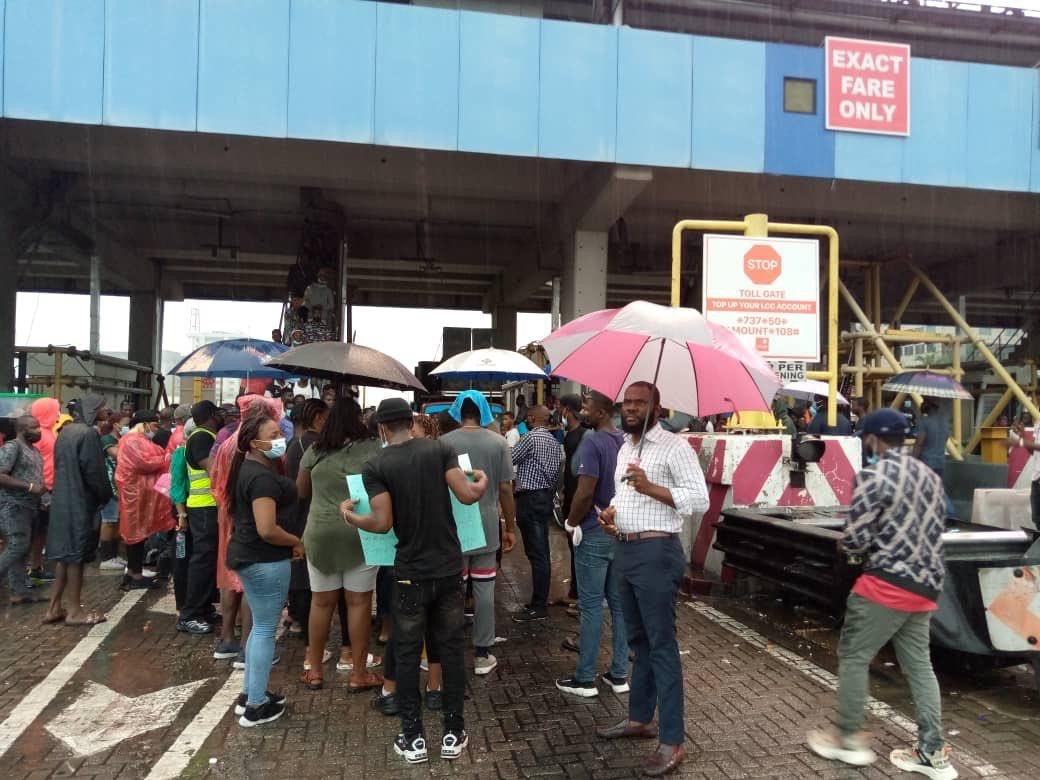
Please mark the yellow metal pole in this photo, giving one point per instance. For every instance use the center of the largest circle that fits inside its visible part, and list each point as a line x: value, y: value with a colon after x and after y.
x: 875, y: 271
x: 704, y: 225
x: 978, y: 343
x: 757, y: 225
x: 857, y: 357
x: 958, y: 412
x: 904, y: 304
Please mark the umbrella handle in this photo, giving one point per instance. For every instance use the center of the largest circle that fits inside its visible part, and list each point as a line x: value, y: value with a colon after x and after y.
x: 653, y: 390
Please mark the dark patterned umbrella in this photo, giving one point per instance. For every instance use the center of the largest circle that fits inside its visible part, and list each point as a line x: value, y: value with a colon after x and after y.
x: 927, y: 383
x: 350, y: 364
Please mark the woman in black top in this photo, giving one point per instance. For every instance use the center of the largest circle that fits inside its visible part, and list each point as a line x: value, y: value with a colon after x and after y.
x: 262, y: 506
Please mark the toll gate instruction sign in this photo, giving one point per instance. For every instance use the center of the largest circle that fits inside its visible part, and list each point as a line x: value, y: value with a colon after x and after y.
x: 767, y: 291
x: 867, y: 86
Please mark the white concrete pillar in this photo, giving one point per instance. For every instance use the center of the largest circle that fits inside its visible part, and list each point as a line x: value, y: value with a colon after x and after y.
x: 8, y: 301
x: 145, y: 342
x: 584, y: 284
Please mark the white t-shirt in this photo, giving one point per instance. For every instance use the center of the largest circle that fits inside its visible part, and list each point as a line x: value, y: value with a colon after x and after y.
x: 512, y: 437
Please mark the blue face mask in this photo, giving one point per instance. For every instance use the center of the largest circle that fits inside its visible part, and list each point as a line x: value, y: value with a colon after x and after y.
x: 124, y: 430
x: 149, y: 434
x: 277, y: 449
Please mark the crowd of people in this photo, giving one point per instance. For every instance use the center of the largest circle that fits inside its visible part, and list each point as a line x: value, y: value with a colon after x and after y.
x: 261, y: 508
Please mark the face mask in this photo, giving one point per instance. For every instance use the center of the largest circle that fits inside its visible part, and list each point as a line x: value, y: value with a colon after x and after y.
x: 124, y: 430
x: 149, y: 434
x: 277, y: 449
x: 869, y: 456
x: 33, y: 437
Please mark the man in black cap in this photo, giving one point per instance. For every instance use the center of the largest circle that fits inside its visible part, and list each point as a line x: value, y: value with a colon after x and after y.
x: 196, y: 616
x: 895, y: 524
x: 407, y: 484
x: 81, y: 488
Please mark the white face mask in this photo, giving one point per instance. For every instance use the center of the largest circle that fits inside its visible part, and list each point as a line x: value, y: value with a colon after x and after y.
x: 124, y: 430
x: 277, y: 449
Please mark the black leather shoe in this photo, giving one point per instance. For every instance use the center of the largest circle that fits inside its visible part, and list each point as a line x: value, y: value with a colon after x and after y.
x: 386, y: 704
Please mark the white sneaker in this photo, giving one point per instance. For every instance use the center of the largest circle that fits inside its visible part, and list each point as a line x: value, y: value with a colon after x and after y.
x: 453, y: 743
x: 113, y: 564
x: 935, y: 765
x: 851, y: 750
x: 484, y: 664
x: 144, y: 572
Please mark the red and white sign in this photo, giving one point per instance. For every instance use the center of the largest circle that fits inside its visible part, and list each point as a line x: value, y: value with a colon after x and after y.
x: 868, y: 86
x: 767, y: 291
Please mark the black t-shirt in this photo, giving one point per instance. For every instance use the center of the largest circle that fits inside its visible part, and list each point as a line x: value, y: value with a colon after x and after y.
x: 198, y: 447
x: 413, y: 474
x: 246, y: 547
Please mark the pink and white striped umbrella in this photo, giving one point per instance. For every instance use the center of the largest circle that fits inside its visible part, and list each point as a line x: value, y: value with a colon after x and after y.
x: 699, y: 367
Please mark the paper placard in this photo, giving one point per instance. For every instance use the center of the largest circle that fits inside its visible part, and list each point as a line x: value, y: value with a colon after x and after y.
x: 468, y: 522
x: 379, y: 549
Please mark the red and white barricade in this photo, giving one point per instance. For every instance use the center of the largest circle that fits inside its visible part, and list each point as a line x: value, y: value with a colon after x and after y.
x: 750, y: 471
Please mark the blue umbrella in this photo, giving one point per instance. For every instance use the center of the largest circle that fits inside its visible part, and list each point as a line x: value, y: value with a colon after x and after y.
x: 242, y: 358
x: 927, y: 383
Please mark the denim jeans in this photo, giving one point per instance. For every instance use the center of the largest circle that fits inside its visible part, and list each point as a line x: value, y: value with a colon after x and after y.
x: 16, y: 528
x: 597, y: 578
x: 534, y: 508
x: 650, y: 572
x: 265, y: 586
x: 434, y: 607
x: 868, y: 627
x: 202, y: 565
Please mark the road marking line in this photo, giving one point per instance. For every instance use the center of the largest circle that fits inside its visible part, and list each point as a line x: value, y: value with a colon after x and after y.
x: 30, y: 707
x: 829, y: 681
x: 100, y: 718
x: 189, y: 741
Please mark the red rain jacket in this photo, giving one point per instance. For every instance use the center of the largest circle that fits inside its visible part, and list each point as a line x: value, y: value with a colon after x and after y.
x: 143, y: 511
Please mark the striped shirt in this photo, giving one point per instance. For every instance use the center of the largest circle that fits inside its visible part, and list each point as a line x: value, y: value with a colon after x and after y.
x: 537, y: 458
x: 669, y: 461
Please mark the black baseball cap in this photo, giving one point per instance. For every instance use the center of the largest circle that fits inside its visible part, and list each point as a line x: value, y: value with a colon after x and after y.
x: 144, y: 416
x: 884, y: 422
x: 391, y: 409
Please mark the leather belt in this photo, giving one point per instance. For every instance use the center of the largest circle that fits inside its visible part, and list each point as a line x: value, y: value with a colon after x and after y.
x: 643, y: 535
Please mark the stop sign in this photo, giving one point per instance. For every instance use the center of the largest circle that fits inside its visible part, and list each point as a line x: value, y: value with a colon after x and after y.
x: 762, y: 264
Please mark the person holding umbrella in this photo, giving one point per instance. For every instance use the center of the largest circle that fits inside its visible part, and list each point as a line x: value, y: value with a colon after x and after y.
x: 657, y: 481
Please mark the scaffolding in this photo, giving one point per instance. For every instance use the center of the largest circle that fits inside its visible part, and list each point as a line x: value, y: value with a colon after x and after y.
x: 872, y: 359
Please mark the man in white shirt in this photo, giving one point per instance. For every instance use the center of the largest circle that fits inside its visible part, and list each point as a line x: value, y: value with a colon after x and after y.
x: 509, y: 429
x: 656, y: 484
x: 1016, y: 439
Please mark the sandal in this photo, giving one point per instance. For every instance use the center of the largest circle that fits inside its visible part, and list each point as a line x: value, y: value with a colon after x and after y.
x: 348, y: 666
x: 372, y: 681
x: 312, y: 679
x: 92, y: 619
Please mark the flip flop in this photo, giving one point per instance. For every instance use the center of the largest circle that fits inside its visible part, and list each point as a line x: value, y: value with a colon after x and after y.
x: 370, y: 663
x: 92, y: 619
x: 49, y: 621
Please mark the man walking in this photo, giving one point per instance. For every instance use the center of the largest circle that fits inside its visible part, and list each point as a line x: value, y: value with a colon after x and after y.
x: 657, y: 481
x: 537, y: 460
x: 489, y: 453
x: 407, y: 484
x: 81, y: 488
x: 21, y: 485
x: 596, y: 461
x: 896, y: 523
x: 196, y: 616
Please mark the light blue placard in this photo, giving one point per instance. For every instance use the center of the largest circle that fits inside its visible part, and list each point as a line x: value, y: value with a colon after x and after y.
x: 469, y: 523
x: 379, y: 549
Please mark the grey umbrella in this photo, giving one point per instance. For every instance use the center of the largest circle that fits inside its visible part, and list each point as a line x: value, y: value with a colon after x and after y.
x: 347, y: 363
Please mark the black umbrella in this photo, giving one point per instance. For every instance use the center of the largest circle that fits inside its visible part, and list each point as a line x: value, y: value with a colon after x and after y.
x: 349, y: 364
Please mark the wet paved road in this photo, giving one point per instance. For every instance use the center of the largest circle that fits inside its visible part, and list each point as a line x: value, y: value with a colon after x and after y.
x: 135, y: 699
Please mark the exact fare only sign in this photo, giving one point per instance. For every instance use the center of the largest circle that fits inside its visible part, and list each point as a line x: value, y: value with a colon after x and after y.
x: 868, y: 86
x: 767, y: 291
